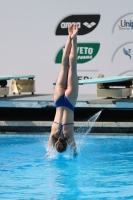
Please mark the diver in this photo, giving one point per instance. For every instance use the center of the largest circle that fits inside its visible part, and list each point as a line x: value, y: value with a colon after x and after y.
x: 65, y: 96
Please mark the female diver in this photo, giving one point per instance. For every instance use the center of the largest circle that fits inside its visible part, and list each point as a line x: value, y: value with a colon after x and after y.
x: 65, y: 96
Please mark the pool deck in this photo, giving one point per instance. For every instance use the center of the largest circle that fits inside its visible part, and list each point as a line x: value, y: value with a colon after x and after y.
x: 83, y: 101
x: 44, y: 100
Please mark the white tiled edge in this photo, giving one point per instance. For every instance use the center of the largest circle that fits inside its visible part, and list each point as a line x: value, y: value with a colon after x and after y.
x: 38, y: 135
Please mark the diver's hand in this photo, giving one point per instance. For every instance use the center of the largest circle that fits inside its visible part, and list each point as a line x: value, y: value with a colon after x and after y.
x: 75, y: 154
x: 47, y: 154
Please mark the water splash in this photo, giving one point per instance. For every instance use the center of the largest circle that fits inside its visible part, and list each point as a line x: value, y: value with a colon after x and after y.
x: 80, y: 144
x: 82, y: 133
x: 54, y: 155
x: 93, y: 119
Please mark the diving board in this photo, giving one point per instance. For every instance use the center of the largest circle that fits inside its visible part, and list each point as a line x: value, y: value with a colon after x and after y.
x: 19, y: 84
x: 108, y: 82
x: 111, y: 79
x: 9, y: 77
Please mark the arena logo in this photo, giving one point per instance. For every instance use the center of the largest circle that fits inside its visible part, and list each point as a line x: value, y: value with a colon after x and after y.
x: 85, y: 52
x: 124, y: 23
x: 85, y: 23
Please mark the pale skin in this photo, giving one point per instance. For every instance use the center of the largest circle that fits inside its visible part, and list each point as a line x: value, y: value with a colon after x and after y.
x: 67, y: 83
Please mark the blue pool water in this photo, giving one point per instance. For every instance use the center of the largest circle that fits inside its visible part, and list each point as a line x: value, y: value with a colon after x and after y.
x: 103, y: 169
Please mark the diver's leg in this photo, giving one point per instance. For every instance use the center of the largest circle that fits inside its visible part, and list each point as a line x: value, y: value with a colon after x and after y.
x: 72, y: 81
x: 61, y: 83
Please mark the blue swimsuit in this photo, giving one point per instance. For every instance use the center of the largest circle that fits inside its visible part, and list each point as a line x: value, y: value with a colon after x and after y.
x: 63, y: 101
x: 61, y: 127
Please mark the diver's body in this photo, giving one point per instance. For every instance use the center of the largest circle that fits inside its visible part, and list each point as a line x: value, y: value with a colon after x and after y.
x: 65, y: 96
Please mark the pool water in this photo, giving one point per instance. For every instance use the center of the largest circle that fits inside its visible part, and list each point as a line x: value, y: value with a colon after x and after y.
x: 102, y: 170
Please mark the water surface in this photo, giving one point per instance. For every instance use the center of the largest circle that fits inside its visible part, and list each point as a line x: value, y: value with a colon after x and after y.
x: 102, y: 170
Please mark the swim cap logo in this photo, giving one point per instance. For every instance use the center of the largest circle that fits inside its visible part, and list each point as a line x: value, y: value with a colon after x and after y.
x: 85, y: 52
x: 85, y: 23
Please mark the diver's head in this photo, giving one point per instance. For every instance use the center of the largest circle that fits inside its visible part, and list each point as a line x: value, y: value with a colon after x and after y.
x: 61, y: 145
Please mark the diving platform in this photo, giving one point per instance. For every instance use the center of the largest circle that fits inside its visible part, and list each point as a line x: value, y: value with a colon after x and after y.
x: 19, y: 84
x: 35, y: 113
x: 46, y: 101
x: 112, y: 87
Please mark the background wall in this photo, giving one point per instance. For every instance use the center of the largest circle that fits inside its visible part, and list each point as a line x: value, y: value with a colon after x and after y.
x: 28, y: 44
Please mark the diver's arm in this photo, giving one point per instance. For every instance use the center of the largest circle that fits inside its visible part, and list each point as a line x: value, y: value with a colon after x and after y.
x: 72, y: 143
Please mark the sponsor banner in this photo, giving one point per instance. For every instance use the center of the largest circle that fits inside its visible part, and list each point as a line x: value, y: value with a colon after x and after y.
x: 127, y: 52
x: 123, y: 58
x: 124, y: 53
x: 86, y: 24
x: 84, y: 77
x: 85, y: 52
x: 125, y: 23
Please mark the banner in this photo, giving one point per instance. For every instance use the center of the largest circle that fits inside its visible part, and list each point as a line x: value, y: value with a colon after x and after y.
x: 34, y: 33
